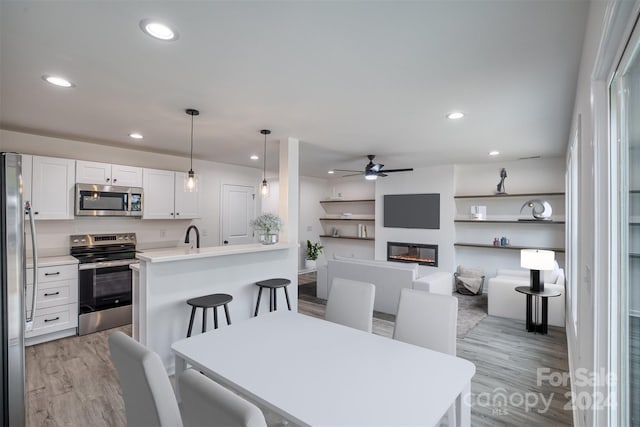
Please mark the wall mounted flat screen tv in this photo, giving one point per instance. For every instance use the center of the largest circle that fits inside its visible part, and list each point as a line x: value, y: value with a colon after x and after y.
x: 412, y: 211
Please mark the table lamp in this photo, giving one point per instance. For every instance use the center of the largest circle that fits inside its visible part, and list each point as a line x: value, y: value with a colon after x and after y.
x: 536, y: 260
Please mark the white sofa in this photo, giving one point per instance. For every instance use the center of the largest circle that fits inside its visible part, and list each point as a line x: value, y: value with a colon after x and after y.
x: 504, y: 301
x: 388, y: 277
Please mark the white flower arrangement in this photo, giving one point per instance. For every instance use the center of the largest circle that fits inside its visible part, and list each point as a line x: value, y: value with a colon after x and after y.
x: 268, y: 222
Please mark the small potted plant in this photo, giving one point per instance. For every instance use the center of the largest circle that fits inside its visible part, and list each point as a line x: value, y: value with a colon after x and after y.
x: 313, y: 251
x: 269, y: 224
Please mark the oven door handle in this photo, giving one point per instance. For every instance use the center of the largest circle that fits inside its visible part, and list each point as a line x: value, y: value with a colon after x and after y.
x: 118, y: 263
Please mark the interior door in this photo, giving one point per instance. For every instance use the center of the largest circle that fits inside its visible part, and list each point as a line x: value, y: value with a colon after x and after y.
x: 238, y: 210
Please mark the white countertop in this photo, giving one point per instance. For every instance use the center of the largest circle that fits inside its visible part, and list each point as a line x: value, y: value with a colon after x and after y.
x: 186, y: 253
x: 134, y: 267
x: 50, y: 261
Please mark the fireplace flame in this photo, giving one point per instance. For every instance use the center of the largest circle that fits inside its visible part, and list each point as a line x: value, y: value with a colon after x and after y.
x: 410, y: 258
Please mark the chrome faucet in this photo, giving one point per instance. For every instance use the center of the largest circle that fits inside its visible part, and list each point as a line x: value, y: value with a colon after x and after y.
x: 186, y: 237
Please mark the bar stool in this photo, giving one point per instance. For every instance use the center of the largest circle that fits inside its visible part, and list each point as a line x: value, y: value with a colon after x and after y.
x: 209, y: 301
x: 273, y: 285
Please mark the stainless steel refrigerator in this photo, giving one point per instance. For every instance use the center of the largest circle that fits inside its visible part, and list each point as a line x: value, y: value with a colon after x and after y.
x: 13, y: 320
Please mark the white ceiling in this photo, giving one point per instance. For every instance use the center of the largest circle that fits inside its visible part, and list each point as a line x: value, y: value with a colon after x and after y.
x: 346, y: 78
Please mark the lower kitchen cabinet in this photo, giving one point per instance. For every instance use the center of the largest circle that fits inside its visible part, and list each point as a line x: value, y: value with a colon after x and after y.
x: 56, y: 313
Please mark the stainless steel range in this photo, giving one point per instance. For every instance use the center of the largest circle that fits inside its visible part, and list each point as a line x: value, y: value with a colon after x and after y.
x: 104, y: 279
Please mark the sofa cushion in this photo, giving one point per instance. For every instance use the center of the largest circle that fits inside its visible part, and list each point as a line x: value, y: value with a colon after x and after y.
x: 551, y: 276
x: 378, y: 263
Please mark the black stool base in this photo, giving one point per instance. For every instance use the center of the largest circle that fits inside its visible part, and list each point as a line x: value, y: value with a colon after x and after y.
x: 209, y: 301
x: 272, y: 285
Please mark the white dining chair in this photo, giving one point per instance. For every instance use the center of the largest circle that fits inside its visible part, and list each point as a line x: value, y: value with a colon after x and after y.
x: 207, y: 403
x: 350, y: 303
x: 428, y: 320
x: 148, y: 396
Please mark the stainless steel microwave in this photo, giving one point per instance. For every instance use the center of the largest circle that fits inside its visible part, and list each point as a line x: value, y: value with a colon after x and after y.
x: 108, y: 200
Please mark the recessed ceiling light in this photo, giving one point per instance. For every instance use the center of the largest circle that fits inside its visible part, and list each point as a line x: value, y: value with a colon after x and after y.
x: 57, y: 81
x: 330, y: 172
x: 254, y: 157
x: 136, y: 135
x: 494, y: 153
x: 455, y: 115
x: 158, y: 30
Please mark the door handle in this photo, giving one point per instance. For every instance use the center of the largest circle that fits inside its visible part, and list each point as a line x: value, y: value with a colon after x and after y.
x: 52, y: 274
x: 226, y: 242
x: 52, y: 320
x: 52, y: 294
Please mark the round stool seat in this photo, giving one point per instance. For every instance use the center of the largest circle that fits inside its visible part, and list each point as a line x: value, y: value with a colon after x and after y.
x: 273, y: 283
x: 205, y: 302
x: 208, y: 301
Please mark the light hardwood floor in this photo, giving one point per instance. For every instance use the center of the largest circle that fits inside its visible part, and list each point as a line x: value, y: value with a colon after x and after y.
x: 71, y: 382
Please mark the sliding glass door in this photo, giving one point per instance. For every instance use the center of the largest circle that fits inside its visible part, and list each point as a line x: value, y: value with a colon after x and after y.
x: 625, y: 115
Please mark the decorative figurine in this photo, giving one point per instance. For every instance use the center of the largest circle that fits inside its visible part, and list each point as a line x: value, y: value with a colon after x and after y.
x: 541, y: 209
x: 500, y: 186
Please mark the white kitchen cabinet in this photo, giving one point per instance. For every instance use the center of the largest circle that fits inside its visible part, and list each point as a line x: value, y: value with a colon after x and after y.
x: 56, y: 313
x: 165, y: 198
x: 158, y: 194
x: 53, y: 183
x: 108, y: 174
x: 127, y: 176
x: 187, y: 205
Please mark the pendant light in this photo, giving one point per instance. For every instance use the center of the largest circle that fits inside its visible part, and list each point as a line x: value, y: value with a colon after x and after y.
x: 264, y: 187
x: 191, y: 179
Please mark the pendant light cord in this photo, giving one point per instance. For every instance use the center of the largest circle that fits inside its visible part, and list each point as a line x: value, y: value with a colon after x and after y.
x: 191, y: 168
x: 264, y: 159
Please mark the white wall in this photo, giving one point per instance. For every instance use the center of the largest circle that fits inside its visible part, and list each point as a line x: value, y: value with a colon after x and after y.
x: 352, y: 188
x: 312, y: 190
x: 437, y: 179
x: 523, y: 176
x: 54, y: 235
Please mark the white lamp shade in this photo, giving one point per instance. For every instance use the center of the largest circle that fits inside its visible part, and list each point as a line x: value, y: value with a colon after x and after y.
x: 537, y: 259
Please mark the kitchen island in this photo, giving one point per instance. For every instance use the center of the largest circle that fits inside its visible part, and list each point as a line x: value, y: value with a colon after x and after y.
x: 167, y: 278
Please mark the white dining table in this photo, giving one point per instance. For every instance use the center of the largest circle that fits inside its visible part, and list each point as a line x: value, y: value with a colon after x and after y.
x: 316, y: 373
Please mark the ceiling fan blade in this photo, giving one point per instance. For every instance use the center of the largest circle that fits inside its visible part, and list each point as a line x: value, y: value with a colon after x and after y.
x: 352, y: 174
x: 381, y: 174
x: 346, y: 170
x: 397, y: 170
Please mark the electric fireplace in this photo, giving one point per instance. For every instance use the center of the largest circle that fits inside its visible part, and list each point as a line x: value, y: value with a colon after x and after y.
x: 413, y: 252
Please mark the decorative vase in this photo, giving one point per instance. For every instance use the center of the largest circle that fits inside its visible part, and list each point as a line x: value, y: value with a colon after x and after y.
x: 268, y: 238
x: 310, y: 264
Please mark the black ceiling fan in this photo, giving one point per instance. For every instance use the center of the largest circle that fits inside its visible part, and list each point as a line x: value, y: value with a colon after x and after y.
x: 373, y: 170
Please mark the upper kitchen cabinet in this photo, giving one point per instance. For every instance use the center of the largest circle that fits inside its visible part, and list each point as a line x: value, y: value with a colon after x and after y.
x: 187, y: 204
x: 52, y: 187
x: 158, y: 194
x: 108, y: 174
x: 165, y: 198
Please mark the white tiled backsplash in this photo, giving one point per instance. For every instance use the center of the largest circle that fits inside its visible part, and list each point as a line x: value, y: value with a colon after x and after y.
x: 53, y: 236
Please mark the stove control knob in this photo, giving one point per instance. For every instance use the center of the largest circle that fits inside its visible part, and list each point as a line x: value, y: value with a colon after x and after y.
x: 126, y: 238
x: 120, y: 237
x: 75, y: 240
x: 84, y: 240
x: 132, y: 237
